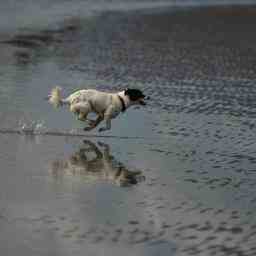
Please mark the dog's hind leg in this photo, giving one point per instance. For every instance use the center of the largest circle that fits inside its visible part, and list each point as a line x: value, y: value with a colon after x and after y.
x: 94, y: 123
x: 81, y: 109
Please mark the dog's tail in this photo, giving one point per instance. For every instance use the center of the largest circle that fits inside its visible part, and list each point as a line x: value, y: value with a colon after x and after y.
x: 55, y: 97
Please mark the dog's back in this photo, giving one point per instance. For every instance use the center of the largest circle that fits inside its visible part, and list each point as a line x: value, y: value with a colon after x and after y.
x: 97, y: 99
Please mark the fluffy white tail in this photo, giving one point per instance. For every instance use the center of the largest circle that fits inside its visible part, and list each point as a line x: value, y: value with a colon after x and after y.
x: 55, y: 97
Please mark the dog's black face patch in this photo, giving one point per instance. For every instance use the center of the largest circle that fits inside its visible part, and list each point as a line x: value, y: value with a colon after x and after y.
x: 134, y: 94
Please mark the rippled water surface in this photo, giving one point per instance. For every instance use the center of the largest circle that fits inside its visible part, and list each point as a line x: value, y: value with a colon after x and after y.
x: 175, y: 178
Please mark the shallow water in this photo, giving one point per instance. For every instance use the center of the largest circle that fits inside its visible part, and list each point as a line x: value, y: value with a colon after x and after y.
x: 176, y: 177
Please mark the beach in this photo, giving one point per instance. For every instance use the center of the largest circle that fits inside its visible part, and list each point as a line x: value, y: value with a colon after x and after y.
x: 176, y: 177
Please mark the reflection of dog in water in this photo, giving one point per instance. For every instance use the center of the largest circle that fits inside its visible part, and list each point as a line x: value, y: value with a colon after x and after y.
x: 96, y: 165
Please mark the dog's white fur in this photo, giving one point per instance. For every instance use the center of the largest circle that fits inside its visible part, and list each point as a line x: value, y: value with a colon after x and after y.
x: 82, y: 102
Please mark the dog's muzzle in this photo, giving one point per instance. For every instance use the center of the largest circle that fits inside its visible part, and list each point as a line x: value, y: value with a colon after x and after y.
x: 142, y: 101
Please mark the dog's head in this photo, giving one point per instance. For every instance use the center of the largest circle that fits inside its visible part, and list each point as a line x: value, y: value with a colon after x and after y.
x: 136, y: 96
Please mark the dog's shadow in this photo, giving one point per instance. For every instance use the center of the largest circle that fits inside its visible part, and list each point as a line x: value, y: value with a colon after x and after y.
x: 95, y: 164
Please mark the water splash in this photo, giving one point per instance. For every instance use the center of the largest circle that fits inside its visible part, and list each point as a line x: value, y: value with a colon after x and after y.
x: 32, y: 127
x: 36, y: 128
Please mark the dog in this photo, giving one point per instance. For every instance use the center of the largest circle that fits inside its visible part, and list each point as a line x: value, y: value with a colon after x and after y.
x: 95, y: 165
x: 105, y: 105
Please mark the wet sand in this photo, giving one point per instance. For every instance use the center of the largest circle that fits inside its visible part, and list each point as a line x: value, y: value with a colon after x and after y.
x: 174, y: 178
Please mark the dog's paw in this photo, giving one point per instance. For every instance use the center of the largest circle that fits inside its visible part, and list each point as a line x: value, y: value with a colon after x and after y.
x: 88, y: 128
x: 91, y: 122
x: 102, y: 129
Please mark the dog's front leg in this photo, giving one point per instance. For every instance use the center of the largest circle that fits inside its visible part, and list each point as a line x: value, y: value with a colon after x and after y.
x: 107, y: 127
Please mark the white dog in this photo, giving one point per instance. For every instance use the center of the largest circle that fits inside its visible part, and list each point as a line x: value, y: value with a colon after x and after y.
x: 106, y: 105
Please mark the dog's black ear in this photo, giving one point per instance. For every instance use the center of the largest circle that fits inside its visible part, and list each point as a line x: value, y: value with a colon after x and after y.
x: 134, y: 94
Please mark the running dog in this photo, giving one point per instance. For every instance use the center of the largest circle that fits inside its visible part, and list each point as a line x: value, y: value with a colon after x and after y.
x: 106, y: 105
